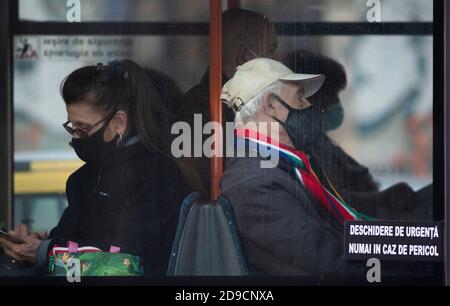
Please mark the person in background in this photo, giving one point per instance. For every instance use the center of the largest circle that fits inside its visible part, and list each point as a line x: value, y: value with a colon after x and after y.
x: 353, y: 180
x: 245, y: 35
x: 167, y: 88
x: 327, y: 98
x: 128, y: 192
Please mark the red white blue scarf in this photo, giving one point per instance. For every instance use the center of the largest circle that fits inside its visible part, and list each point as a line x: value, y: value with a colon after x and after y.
x: 330, y: 199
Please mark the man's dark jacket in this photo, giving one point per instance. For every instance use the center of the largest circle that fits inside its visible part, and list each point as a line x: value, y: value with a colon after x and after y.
x: 284, y: 230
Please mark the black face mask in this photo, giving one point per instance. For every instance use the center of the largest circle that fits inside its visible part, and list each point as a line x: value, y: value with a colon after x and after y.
x: 91, y: 149
x: 302, y: 125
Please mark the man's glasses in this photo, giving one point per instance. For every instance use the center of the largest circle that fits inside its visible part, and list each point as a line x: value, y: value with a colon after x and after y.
x: 83, y: 133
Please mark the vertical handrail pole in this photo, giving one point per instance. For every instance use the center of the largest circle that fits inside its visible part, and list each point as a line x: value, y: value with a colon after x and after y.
x: 215, y: 88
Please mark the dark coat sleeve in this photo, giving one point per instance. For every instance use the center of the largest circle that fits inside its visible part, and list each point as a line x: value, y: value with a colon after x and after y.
x: 67, y: 222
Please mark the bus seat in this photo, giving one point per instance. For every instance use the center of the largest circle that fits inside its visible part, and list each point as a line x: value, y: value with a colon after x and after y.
x: 207, y: 240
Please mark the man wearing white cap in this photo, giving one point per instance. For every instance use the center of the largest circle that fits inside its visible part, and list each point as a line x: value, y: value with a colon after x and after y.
x: 290, y: 217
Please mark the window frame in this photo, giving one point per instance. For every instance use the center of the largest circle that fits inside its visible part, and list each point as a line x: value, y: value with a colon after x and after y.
x: 10, y: 26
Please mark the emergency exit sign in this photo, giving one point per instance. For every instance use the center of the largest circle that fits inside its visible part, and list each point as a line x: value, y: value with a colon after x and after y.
x: 389, y: 240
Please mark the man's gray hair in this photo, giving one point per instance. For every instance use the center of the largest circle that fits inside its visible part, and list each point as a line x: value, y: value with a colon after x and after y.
x: 249, y: 111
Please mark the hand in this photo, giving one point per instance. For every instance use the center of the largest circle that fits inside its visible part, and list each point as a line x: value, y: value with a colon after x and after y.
x: 42, y: 235
x: 398, y: 202
x: 26, y: 251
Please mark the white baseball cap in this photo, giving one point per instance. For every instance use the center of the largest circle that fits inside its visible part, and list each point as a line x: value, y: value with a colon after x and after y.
x: 255, y: 75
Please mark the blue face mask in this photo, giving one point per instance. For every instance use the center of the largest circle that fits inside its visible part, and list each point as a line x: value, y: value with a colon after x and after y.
x: 332, y: 117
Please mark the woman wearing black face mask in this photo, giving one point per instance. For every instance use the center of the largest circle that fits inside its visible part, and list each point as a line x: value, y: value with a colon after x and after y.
x: 128, y: 192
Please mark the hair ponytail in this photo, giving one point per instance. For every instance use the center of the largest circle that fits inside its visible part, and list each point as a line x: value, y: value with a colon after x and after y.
x: 152, y: 120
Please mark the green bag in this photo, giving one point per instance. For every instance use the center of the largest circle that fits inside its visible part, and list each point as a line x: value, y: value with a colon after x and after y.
x: 94, y: 262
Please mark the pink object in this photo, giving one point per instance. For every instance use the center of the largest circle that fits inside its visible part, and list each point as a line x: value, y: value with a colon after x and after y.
x: 73, y: 247
x: 114, y: 249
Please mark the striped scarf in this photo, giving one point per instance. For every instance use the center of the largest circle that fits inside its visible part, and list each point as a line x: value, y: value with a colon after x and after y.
x: 323, y: 191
